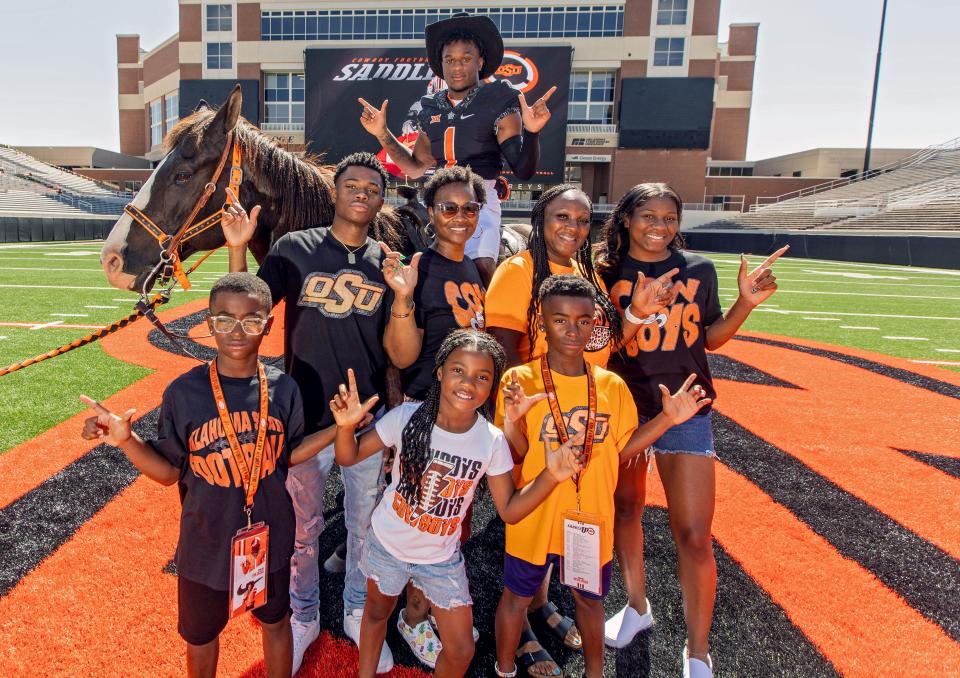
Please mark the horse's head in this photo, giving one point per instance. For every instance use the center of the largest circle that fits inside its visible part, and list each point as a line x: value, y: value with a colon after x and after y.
x: 194, y: 150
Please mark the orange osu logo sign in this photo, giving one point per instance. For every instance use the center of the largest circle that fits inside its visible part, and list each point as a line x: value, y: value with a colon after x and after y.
x: 340, y: 295
x: 519, y: 70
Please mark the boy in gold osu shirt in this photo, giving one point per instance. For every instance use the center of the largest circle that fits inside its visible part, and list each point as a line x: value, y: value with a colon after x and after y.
x: 523, y: 410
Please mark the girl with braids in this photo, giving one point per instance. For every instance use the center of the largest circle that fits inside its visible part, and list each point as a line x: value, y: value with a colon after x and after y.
x: 641, y: 243
x: 559, y: 243
x: 445, y: 446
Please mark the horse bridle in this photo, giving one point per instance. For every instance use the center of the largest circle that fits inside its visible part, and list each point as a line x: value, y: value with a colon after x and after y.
x: 170, y: 266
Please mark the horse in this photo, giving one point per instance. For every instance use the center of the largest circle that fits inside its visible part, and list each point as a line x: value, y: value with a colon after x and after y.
x: 295, y: 192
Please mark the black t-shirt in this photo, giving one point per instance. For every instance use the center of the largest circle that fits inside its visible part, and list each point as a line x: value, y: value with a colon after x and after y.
x: 449, y: 296
x: 335, y: 317
x: 190, y: 436
x: 466, y: 134
x: 670, y: 350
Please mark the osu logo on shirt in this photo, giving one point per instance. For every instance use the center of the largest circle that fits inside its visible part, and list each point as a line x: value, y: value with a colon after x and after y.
x: 678, y: 320
x: 466, y: 303
x: 575, y: 421
x: 337, y: 296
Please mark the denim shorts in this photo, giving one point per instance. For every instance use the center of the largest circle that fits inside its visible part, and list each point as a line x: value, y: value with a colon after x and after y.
x: 444, y: 584
x: 694, y: 436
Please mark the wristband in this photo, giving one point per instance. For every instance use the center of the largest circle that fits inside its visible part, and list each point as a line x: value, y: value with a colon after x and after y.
x: 403, y: 315
x: 649, y: 320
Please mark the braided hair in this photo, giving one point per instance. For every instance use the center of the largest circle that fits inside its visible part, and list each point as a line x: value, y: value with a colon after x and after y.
x: 415, y: 453
x: 615, y: 240
x: 537, y: 245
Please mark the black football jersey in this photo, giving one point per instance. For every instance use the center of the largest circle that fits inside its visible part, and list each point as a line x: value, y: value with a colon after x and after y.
x: 466, y: 134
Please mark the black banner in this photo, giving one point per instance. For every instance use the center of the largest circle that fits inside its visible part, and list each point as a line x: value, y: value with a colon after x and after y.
x: 216, y: 92
x: 336, y: 77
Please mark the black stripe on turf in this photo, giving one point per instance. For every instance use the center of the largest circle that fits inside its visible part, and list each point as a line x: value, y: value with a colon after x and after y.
x: 34, y: 526
x: 949, y: 465
x: 924, y: 575
x: 752, y: 635
x: 906, y: 376
x: 725, y: 367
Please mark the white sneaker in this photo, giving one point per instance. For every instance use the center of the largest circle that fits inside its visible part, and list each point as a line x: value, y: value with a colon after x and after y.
x: 304, y: 633
x: 351, y: 627
x: 335, y: 564
x: 696, y: 668
x: 623, y: 627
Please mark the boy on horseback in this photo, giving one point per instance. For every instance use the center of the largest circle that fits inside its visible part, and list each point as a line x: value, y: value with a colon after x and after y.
x: 470, y: 122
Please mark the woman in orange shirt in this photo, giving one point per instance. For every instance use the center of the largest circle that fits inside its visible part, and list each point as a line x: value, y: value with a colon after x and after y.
x: 559, y: 243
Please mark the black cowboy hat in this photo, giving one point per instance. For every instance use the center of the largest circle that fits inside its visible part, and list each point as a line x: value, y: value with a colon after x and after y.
x: 480, y: 26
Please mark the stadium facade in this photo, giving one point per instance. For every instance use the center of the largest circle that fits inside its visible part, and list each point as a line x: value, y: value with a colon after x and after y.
x: 647, y: 93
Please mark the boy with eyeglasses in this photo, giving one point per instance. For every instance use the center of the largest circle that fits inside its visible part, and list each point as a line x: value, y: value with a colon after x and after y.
x: 228, y: 432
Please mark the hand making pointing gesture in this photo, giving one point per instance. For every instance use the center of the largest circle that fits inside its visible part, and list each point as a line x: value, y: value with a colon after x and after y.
x: 106, y: 426
x: 537, y: 116
x: 516, y: 403
x: 760, y: 284
x: 652, y: 295
x: 686, y: 402
x: 374, y: 119
x: 347, y: 409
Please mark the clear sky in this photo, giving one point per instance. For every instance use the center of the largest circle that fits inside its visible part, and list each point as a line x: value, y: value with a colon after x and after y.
x: 814, y: 70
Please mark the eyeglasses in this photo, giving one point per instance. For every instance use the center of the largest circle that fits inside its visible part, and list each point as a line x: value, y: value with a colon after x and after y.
x: 224, y: 324
x: 450, y: 209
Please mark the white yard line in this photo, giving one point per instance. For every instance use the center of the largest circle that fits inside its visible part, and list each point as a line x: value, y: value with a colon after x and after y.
x: 858, y: 327
x: 894, y: 338
x: 761, y: 309
x: 69, y: 315
x: 948, y: 350
x: 44, y: 326
x: 835, y: 320
x: 754, y: 260
x: 92, y: 306
x: 82, y: 287
x: 42, y: 268
x: 787, y: 290
x: 57, y: 324
x: 936, y: 362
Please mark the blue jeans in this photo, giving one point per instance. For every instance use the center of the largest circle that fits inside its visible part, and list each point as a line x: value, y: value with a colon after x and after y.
x: 694, y: 436
x: 307, y: 484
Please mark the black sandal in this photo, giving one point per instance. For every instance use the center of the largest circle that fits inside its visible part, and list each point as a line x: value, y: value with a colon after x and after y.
x: 561, y: 629
x: 524, y: 660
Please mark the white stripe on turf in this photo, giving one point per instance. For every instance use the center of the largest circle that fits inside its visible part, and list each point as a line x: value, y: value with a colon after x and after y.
x: 835, y: 320
x: 787, y: 290
x: 858, y: 327
x: 84, y: 287
x: 948, y: 350
x: 69, y: 315
x: 783, y: 311
x: 92, y: 306
x: 44, y: 326
x: 936, y: 362
x: 895, y: 338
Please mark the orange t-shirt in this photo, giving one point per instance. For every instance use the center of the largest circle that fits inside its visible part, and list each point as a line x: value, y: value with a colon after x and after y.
x: 541, y: 532
x: 508, y: 298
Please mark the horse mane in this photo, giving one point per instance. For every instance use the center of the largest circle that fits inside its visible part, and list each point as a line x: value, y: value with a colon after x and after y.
x: 302, y: 186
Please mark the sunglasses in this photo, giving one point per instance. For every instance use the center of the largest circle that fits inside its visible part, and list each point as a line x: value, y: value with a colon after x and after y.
x: 224, y: 324
x: 451, y: 209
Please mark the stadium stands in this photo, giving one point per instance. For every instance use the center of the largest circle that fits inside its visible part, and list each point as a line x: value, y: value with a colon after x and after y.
x: 919, y: 193
x: 28, y: 185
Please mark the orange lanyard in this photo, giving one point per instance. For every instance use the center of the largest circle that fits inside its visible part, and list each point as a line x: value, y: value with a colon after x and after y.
x: 557, y: 413
x: 250, y: 477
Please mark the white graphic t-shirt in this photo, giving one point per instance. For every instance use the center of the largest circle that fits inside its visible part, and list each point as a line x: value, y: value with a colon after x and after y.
x: 426, y: 529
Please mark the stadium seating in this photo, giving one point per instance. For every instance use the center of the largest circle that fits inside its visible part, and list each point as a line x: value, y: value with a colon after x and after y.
x: 55, y: 187
x: 918, y: 193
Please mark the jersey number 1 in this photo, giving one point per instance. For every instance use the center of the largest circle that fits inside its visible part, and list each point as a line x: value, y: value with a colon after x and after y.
x: 448, y: 147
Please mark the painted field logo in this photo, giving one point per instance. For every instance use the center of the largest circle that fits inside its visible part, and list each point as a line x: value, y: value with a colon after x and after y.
x: 519, y: 70
x: 340, y: 295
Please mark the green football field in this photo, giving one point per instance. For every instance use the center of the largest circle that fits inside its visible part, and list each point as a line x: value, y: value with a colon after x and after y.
x: 52, y: 293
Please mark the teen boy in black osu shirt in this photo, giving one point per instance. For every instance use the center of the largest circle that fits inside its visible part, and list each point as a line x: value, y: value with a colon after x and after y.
x: 338, y: 308
x: 470, y: 123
